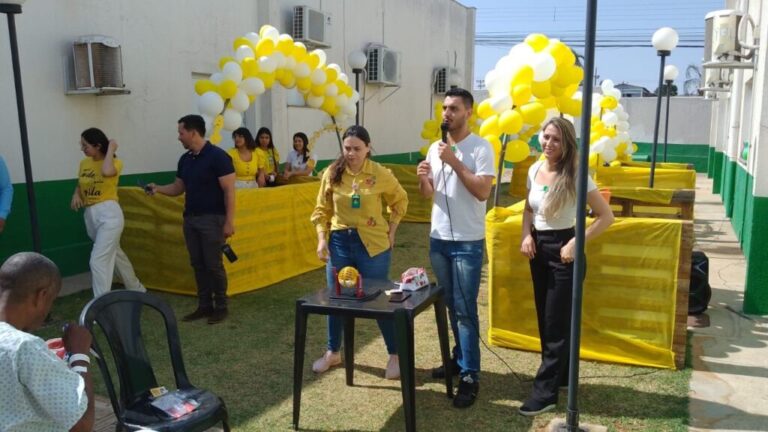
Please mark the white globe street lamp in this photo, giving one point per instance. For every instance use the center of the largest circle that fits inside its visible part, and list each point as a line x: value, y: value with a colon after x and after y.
x: 664, y: 40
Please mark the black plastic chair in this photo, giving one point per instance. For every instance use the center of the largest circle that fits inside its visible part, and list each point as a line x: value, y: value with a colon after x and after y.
x: 118, y: 314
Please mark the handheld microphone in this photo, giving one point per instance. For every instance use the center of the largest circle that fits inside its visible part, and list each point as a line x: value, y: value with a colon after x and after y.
x: 444, y: 130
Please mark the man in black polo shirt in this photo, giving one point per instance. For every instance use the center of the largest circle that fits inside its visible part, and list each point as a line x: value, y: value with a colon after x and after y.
x: 205, y: 172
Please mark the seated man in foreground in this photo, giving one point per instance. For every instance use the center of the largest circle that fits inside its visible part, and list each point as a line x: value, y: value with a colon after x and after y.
x: 40, y: 391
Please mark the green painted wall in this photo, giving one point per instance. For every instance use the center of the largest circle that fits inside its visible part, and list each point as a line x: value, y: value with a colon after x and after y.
x: 742, y: 187
x: 755, y: 239
x: 727, y: 189
x: 717, y: 173
x: 697, y: 154
x: 711, y: 162
x: 62, y: 231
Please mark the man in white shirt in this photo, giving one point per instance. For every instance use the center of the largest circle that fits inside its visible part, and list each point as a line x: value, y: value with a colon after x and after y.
x: 39, y: 391
x: 458, y: 175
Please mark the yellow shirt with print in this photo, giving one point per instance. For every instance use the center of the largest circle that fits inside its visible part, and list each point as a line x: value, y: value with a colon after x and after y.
x: 269, y: 159
x: 94, y: 187
x: 244, y: 171
x: 334, y: 209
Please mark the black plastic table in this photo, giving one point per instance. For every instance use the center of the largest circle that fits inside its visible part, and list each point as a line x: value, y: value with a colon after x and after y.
x: 403, y: 315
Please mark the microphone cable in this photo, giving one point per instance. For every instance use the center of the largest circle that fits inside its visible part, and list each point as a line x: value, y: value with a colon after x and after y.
x: 458, y: 268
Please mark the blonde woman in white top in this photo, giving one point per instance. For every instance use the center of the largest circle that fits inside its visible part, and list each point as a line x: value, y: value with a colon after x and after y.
x: 548, y: 241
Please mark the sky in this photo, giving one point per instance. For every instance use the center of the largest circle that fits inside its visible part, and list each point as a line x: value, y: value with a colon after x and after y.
x: 500, y: 24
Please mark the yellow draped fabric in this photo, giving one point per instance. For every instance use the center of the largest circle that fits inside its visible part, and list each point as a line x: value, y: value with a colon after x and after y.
x: 663, y: 178
x: 274, y: 239
x: 629, y: 291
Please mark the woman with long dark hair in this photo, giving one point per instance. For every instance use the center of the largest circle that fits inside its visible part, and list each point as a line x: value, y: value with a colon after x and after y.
x: 97, y: 191
x: 244, y: 159
x: 351, y: 230
x: 299, y: 161
x: 269, y: 158
x: 548, y: 241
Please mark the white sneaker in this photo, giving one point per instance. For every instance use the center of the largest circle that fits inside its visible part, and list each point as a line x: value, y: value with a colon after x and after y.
x: 327, y: 361
x: 393, y: 367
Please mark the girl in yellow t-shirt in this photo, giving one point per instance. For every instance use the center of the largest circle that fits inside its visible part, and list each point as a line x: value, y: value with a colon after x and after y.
x: 269, y: 158
x: 96, y: 190
x: 245, y: 160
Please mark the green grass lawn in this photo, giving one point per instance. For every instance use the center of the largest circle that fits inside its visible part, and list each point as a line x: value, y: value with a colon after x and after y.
x: 248, y: 361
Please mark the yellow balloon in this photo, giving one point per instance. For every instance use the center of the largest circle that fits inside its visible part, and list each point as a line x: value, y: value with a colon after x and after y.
x: 215, y: 138
x: 285, y: 44
x: 204, y: 85
x: 432, y: 125
x: 224, y: 60
x: 559, y: 52
x: 299, y: 52
x: 329, y: 106
x: 537, y: 41
x: 510, y: 122
x: 438, y: 109
x: 611, y: 132
x: 427, y: 135
x: 288, y: 80
x: 495, y: 144
x: 557, y: 91
x: 227, y: 89
x: 250, y: 67
x: 490, y: 126
x: 609, y: 103
x: 517, y: 151
x: 318, y: 90
x: 265, y: 47
x: 267, y: 78
x: 331, y: 74
x: 424, y: 149
x: 241, y: 41
x: 279, y: 73
x: 314, y: 60
x: 484, y: 110
x: 524, y: 75
x: 304, y: 84
x: 521, y: 94
x: 541, y: 89
x: 533, y: 113
x: 548, y: 102
x: 570, y: 90
x: 569, y: 106
x: 593, y: 159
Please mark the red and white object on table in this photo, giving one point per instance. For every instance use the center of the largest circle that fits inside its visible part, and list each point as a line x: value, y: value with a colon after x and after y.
x: 413, y: 279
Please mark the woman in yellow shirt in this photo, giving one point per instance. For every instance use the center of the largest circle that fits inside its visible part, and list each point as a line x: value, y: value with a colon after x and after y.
x: 269, y: 158
x: 97, y: 191
x: 351, y: 230
x: 245, y: 160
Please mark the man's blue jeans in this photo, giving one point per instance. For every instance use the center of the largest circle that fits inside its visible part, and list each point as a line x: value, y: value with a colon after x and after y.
x: 347, y: 249
x: 457, y: 265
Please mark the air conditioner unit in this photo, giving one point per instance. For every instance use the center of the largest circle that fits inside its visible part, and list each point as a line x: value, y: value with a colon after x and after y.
x: 440, y: 80
x: 310, y: 27
x: 722, y: 46
x: 98, y: 63
x: 383, y: 66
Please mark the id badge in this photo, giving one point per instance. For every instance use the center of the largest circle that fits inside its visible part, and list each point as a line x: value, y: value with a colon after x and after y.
x: 355, y: 201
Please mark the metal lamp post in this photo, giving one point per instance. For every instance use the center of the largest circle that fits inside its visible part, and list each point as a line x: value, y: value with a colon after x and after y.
x: 670, y: 73
x: 357, y: 61
x: 11, y: 8
x: 664, y: 40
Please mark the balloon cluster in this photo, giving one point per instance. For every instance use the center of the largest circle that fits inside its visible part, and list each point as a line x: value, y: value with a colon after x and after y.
x: 259, y: 61
x: 537, y: 80
x: 318, y: 133
x: 431, y: 132
x: 609, y: 138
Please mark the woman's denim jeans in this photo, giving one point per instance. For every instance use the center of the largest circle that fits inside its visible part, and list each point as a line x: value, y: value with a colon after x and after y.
x: 347, y: 249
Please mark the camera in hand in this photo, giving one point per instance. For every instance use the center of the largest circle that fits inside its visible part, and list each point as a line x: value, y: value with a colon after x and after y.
x: 229, y: 253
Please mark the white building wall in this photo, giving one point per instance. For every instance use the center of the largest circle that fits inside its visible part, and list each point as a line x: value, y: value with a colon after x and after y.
x: 167, y: 45
x: 689, y: 119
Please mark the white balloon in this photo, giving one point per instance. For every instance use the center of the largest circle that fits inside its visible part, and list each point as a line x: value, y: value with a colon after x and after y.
x: 210, y: 103
x: 609, y: 154
x: 318, y: 76
x: 506, y: 66
x: 606, y: 86
x: 208, y: 123
x: 301, y: 70
x: 232, y: 71
x: 616, y: 93
x: 521, y: 52
x: 321, y: 54
x: 239, y: 101
x: 267, y: 64
x: 343, y: 100
x: 232, y: 119
x: 335, y: 67
x: 543, y: 66
x: 269, y: 32
x: 622, y: 126
x: 577, y: 96
x: 315, y: 101
x: 623, y: 116
x: 355, y: 97
x: 252, y: 37
x: 599, y: 145
x: 501, y: 103
x: 500, y: 87
x: 490, y: 79
x: 610, y: 119
x: 629, y: 150
x: 252, y: 86
x: 243, y: 52
x: 343, y: 78
x: 331, y: 90
x: 349, y: 109
x: 290, y: 63
x: 622, y: 137
x: 280, y: 59
x: 217, y: 77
